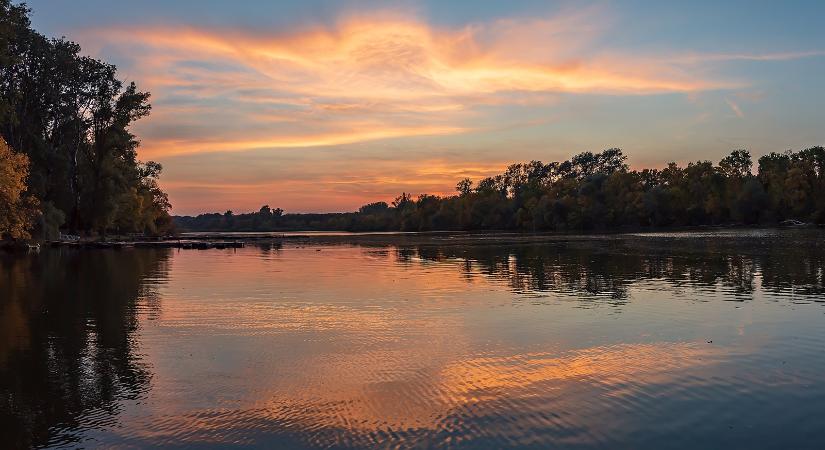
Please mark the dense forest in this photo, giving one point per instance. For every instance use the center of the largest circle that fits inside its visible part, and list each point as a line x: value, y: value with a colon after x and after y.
x: 591, y: 191
x: 67, y: 158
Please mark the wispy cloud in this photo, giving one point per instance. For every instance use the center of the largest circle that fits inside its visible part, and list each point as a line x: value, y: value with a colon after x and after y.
x: 372, y: 77
x: 777, y: 56
x: 734, y: 107
x: 362, y: 133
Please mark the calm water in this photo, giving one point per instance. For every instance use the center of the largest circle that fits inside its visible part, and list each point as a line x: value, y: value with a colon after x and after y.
x: 658, y: 341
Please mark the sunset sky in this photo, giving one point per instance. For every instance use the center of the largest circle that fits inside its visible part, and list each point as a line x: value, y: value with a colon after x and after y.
x: 327, y: 105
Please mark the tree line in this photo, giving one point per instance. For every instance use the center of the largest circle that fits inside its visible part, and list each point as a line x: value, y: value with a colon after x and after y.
x: 590, y: 191
x: 64, y: 125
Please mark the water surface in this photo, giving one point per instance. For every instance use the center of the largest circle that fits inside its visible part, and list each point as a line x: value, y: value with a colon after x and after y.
x: 669, y: 340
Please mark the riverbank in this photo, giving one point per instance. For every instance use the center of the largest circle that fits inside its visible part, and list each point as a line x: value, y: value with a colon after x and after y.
x: 225, y: 240
x: 197, y: 244
x: 491, y: 236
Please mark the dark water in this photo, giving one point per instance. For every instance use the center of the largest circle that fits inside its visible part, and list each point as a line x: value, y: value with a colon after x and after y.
x: 680, y: 341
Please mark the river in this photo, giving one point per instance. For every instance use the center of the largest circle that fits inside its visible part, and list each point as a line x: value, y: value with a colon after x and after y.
x: 661, y: 341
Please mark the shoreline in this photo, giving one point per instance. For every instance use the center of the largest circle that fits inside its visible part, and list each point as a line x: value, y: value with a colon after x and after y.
x: 229, y: 240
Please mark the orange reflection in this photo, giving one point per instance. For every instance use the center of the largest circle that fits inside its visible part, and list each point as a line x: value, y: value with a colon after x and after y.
x: 373, y: 358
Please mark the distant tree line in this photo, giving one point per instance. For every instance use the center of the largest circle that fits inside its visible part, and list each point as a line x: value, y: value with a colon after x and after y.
x: 64, y: 123
x: 591, y: 191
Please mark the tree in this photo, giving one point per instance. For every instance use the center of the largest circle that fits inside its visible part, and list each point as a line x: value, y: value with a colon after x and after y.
x: 17, y: 210
x: 464, y: 187
x: 374, y: 208
x: 71, y: 116
x: 403, y: 201
x: 773, y: 169
x: 611, y: 160
x: 736, y: 165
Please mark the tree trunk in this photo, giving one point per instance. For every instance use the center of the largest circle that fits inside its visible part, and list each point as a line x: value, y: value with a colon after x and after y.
x: 74, y: 177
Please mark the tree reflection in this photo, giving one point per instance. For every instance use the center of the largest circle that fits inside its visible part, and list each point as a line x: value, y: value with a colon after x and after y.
x: 607, y: 267
x: 68, y: 344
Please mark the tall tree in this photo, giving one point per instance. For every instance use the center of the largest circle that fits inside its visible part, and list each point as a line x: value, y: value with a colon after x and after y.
x: 71, y: 115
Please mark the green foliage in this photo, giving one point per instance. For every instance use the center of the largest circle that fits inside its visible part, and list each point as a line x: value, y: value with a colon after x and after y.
x: 591, y: 191
x: 70, y: 115
x: 50, y: 221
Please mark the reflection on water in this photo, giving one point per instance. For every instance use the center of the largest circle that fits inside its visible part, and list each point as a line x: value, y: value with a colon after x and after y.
x: 786, y: 263
x: 634, y: 341
x: 67, y: 341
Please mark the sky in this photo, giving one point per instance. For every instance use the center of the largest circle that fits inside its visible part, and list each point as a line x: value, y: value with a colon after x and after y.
x: 322, y: 106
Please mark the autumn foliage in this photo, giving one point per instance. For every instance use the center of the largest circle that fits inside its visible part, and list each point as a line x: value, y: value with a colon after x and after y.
x: 17, y: 211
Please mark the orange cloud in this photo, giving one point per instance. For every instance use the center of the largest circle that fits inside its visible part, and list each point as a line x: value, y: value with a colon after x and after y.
x: 366, y: 58
x: 368, y: 133
x: 376, y: 77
